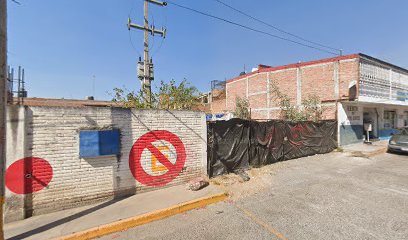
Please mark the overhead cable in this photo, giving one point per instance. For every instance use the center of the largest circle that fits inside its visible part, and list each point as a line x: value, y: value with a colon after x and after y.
x: 252, y: 29
x: 276, y: 28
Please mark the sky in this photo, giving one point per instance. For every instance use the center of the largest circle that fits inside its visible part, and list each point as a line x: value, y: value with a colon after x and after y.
x: 77, y: 48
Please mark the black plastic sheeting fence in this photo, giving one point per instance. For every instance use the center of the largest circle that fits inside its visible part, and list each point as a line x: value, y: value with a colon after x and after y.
x: 239, y: 144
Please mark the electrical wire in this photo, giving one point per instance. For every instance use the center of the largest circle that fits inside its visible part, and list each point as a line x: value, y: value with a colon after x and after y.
x: 151, y: 47
x: 16, y: 2
x: 130, y: 35
x: 252, y: 29
x: 162, y: 39
x: 133, y: 46
x: 276, y: 28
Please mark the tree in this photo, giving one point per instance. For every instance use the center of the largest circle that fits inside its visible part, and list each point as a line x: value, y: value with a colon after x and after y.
x: 242, y: 108
x: 129, y: 99
x: 311, y: 109
x: 168, y: 96
x: 171, y: 96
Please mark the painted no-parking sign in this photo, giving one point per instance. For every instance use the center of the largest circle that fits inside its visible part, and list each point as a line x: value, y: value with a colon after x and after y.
x: 161, y: 169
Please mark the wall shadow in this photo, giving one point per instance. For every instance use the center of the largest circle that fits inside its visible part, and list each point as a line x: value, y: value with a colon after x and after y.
x: 122, y: 119
x: 28, y: 152
x: 64, y: 220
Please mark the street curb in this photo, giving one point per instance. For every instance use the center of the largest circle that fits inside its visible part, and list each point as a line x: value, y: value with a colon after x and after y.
x: 145, y: 218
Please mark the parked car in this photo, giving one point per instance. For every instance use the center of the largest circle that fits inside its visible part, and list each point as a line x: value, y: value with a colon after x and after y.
x: 399, y: 141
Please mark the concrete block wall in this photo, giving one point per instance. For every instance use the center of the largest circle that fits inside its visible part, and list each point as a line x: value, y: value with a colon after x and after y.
x: 218, y: 106
x: 52, y: 134
x: 328, y: 79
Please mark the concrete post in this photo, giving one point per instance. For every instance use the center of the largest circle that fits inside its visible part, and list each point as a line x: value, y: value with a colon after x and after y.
x: 3, y: 102
x: 268, y: 95
x: 336, y: 80
x: 298, y: 86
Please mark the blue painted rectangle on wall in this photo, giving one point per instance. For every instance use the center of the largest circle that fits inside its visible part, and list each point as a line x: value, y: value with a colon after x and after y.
x: 99, y: 143
x: 109, y: 142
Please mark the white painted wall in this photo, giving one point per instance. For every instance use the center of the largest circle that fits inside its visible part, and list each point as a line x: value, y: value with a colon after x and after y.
x: 52, y: 133
x: 350, y: 114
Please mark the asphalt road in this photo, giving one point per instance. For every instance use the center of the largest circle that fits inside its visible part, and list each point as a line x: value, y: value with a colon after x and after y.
x: 330, y: 196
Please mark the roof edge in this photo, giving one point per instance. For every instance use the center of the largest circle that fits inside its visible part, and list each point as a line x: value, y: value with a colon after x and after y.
x: 370, y: 58
x: 296, y: 65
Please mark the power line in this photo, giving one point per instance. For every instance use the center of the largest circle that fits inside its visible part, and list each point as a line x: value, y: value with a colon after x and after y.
x: 133, y: 45
x: 145, y: 68
x: 16, y: 2
x: 276, y: 28
x: 251, y: 29
x: 163, y: 39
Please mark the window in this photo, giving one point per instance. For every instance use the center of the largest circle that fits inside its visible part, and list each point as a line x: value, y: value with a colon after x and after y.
x: 389, y: 119
x: 405, y: 119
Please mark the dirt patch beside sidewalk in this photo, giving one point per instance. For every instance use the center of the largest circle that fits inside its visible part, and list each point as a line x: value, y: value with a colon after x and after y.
x: 260, y: 178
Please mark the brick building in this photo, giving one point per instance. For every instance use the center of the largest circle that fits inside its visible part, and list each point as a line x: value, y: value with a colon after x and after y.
x: 354, y: 89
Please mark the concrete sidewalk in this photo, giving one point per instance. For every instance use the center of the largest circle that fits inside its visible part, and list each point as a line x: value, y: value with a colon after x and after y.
x: 162, y: 203
x: 368, y: 150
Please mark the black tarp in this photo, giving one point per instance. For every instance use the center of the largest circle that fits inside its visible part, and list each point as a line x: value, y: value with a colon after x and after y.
x: 238, y: 144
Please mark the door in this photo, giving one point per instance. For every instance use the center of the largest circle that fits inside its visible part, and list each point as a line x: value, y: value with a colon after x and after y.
x: 370, y: 116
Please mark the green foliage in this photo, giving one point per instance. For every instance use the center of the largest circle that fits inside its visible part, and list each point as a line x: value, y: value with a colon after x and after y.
x: 168, y: 96
x: 129, y: 99
x: 242, y: 108
x: 171, y: 96
x: 310, y: 110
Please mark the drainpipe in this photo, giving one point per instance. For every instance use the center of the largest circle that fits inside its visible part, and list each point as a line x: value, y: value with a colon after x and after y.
x: 338, y: 123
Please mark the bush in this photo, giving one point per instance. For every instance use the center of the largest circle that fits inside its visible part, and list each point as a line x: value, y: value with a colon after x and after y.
x: 242, y: 108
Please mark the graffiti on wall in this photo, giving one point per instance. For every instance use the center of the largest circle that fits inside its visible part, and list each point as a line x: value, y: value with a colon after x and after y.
x: 239, y: 144
x: 297, y: 132
x: 28, y: 175
x: 157, y: 158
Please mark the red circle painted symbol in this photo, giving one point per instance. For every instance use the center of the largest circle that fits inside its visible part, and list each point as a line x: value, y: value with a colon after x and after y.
x: 146, y: 142
x: 28, y: 175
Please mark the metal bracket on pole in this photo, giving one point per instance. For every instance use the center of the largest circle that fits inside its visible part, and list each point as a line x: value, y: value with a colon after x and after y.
x: 145, y: 69
x: 157, y: 2
x: 152, y: 30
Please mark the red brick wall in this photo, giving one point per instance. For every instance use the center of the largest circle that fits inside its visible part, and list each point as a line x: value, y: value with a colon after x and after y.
x: 348, y: 71
x: 218, y: 106
x: 258, y: 101
x: 316, y: 79
x: 275, y: 114
x: 329, y: 112
x: 259, y: 114
x: 286, y: 82
x: 257, y: 83
x: 235, y: 89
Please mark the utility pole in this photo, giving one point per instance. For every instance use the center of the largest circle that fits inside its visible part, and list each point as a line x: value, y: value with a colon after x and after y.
x: 145, y: 68
x: 3, y: 104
